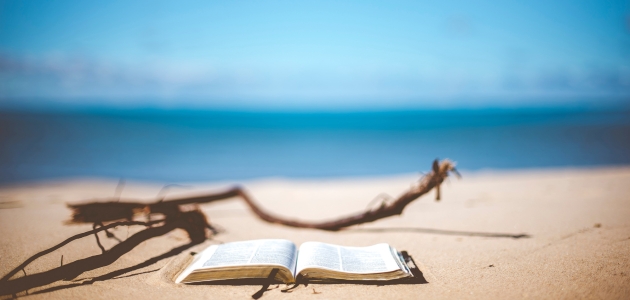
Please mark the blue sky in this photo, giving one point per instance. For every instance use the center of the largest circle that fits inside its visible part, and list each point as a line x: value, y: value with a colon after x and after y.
x: 320, y: 54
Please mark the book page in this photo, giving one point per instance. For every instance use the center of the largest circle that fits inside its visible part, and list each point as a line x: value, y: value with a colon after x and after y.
x: 319, y: 255
x: 257, y: 252
x: 372, y: 259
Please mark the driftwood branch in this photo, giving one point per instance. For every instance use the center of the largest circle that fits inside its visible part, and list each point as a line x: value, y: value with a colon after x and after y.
x: 114, y: 210
x: 432, y: 180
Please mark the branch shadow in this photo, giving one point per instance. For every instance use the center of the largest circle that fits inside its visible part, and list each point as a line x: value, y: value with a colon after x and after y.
x: 116, y: 274
x: 74, y: 269
x: 441, y: 232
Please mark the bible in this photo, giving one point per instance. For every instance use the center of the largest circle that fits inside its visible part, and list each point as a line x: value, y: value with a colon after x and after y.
x: 282, y: 261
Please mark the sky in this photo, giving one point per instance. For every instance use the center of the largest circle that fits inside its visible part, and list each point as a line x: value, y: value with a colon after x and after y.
x: 314, y: 54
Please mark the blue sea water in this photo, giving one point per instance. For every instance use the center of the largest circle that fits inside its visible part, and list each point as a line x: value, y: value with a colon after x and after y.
x: 183, y: 146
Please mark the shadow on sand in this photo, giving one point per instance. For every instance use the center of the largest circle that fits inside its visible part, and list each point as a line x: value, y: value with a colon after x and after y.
x: 70, y: 271
x: 194, y: 224
x: 441, y: 231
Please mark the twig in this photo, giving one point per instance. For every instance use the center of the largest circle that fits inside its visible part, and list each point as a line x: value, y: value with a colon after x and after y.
x: 119, y: 188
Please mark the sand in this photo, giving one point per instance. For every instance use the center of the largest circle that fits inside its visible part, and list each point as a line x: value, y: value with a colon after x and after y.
x: 577, y: 220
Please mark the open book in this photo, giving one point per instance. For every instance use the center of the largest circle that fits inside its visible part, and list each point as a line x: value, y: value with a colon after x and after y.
x: 282, y: 260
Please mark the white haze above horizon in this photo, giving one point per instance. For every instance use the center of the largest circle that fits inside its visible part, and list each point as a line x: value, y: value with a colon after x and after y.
x: 321, y: 54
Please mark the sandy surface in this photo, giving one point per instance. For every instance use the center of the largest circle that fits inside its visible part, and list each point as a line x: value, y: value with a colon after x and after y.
x: 578, y: 221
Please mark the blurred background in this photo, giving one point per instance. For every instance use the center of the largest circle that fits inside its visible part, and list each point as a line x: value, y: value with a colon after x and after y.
x: 186, y: 91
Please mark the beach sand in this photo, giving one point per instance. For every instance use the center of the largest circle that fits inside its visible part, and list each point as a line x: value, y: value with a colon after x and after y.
x: 468, y: 245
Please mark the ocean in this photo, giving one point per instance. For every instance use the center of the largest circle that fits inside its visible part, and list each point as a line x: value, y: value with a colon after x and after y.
x: 173, y: 146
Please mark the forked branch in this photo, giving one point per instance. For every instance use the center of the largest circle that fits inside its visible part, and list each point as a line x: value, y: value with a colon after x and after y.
x: 114, y: 210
